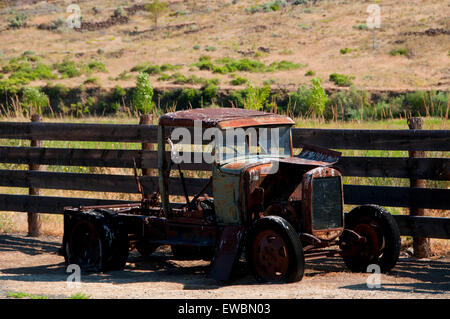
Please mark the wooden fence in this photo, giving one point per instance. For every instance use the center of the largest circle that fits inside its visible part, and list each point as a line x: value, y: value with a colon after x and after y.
x: 342, y: 139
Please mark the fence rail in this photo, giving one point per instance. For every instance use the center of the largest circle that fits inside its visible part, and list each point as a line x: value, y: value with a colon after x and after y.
x: 341, y: 139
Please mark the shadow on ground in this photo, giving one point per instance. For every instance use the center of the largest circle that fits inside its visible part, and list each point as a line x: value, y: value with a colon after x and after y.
x: 433, y: 276
x: 28, y: 245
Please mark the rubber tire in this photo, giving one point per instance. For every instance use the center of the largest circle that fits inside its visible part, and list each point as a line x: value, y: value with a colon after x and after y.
x: 391, y: 236
x: 112, y: 239
x: 282, y: 227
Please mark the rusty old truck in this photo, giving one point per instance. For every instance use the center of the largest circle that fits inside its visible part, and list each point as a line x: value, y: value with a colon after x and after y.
x: 262, y: 205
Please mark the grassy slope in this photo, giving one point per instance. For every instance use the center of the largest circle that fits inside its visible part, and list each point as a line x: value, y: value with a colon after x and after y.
x: 312, y: 35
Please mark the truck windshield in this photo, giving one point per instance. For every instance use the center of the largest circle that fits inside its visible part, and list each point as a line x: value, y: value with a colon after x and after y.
x: 251, y: 141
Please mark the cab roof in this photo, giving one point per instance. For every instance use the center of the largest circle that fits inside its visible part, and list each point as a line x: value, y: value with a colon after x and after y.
x: 223, y: 118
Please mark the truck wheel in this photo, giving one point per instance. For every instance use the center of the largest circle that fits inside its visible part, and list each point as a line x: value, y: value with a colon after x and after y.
x: 96, y: 242
x: 274, y: 251
x: 382, y: 246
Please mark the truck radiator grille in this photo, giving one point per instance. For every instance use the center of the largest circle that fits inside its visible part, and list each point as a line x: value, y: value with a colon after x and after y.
x: 326, y: 203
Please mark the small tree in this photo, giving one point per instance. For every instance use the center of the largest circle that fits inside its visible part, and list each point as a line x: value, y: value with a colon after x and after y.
x: 143, y: 93
x: 318, y: 98
x: 34, y: 99
x: 256, y: 98
x: 156, y: 9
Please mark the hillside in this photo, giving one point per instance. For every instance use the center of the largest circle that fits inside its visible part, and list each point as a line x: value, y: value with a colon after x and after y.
x: 411, y: 50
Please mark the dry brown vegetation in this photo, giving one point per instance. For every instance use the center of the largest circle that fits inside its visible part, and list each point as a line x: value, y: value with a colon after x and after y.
x: 311, y: 35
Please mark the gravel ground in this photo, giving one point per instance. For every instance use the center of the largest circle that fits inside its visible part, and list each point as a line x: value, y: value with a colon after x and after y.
x: 33, y: 266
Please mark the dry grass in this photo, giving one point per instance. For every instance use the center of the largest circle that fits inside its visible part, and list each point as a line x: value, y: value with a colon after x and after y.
x: 313, y: 35
x: 310, y: 35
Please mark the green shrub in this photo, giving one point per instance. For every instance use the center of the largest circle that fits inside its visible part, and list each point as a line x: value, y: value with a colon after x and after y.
x: 362, y: 26
x: 209, y: 93
x: 143, y: 94
x: 236, y: 98
x: 152, y: 69
x: 318, y: 98
x: 282, y: 66
x: 33, y: 98
x: 345, y: 50
x: 140, y: 67
x: 210, y: 48
x: 310, y: 73
x: 123, y: 76
x: 79, y: 109
x: 97, y: 66
x: 341, y: 79
x: 43, y: 72
x: 298, y: 101
x: 399, y: 51
x: 239, y: 81
x: 269, y: 82
x: 170, y: 67
x: 119, y: 92
x: 256, y: 98
x: 164, y: 77
x: 19, y: 21
x: 423, y: 103
x: 229, y: 65
x: 119, y: 12
x: 67, y: 69
x: 196, y: 47
x: 189, y: 98
x: 204, y: 63
x: 268, y: 6
x: 348, y: 104
x: 92, y: 80
x: 244, y: 65
x: 57, y: 93
x: 156, y: 9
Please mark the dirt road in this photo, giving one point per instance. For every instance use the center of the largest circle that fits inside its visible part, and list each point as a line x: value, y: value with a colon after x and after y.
x: 33, y: 266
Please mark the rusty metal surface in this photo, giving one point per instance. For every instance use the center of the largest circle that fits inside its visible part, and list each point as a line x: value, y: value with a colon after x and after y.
x: 227, y: 252
x: 211, y: 117
x: 310, y: 152
x: 272, y: 119
x: 304, y: 161
x: 307, y: 209
x: 271, y: 255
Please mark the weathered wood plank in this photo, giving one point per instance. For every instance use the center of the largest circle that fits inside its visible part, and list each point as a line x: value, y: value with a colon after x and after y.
x: 86, y: 157
x: 79, y: 132
x: 413, y: 140
x: 397, y: 167
x: 420, y: 140
x: 423, y: 226
x: 94, y: 182
x: 425, y: 168
x: 48, y: 204
x: 397, y: 196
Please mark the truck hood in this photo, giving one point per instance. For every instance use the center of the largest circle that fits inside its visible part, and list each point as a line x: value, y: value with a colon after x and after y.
x: 310, y: 157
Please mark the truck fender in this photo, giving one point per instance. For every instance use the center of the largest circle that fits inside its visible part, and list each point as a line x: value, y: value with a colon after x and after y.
x: 227, y: 253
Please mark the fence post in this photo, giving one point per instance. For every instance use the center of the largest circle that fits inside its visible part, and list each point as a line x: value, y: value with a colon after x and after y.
x: 146, y: 119
x: 421, y: 245
x: 34, y: 219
